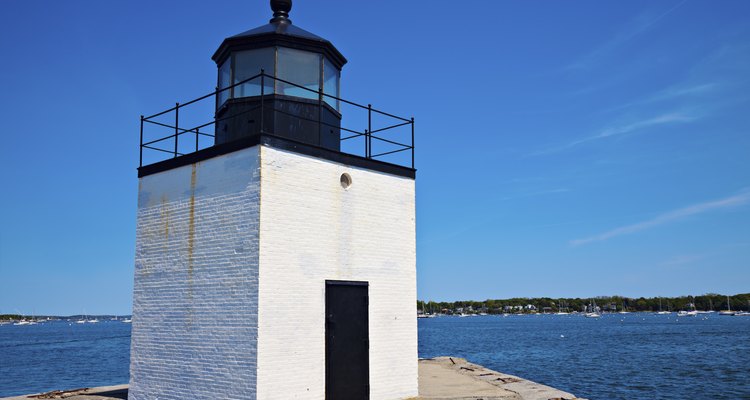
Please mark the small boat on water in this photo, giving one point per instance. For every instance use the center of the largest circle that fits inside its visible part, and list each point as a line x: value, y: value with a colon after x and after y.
x: 689, y: 312
x: 744, y: 313
x: 684, y: 313
x: 127, y: 321
x: 661, y: 312
x: 624, y: 309
x: 728, y: 311
x: 593, y: 312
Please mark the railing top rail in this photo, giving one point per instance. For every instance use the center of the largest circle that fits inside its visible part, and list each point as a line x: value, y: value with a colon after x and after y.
x: 368, y: 133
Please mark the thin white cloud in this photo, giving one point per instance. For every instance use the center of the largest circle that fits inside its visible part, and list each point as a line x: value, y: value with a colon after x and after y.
x: 639, y: 26
x: 682, y: 259
x: 668, y: 118
x: 671, y: 216
x: 670, y: 93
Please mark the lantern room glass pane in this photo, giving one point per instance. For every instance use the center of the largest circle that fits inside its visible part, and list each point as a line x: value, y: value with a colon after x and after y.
x: 224, y: 78
x: 331, y: 78
x: 248, y: 64
x: 301, y: 68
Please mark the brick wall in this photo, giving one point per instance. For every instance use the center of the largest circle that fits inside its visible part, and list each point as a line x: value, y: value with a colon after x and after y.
x: 194, y: 333
x: 312, y: 229
x: 232, y: 255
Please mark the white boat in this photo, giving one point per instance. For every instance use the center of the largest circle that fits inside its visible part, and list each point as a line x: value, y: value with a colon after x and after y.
x: 593, y: 313
x: 728, y: 311
x: 23, y: 322
x: 744, y: 313
x: 127, y: 320
x: 92, y: 321
x: 661, y: 312
x: 624, y: 309
x: 687, y: 313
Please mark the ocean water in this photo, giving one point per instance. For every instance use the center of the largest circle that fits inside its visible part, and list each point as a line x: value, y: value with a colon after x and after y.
x: 630, y: 356
x: 63, y: 355
x: 617, y: 356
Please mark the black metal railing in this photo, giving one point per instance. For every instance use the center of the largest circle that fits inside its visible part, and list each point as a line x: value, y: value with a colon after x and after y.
x: 395, y: 134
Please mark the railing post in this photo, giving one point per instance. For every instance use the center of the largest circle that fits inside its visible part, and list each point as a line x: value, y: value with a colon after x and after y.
x: 262, y: 99
x: 368, y: 135
x: 176, y: 126
x: 140, y: 160
x: 196, y: 138
x: 320, y: 111
x: 412, y: 142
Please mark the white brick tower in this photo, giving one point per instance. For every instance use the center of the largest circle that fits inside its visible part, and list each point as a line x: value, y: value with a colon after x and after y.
x: 272, y: 264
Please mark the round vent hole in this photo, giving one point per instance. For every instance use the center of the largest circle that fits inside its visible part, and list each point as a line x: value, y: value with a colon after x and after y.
x: 346, y: 180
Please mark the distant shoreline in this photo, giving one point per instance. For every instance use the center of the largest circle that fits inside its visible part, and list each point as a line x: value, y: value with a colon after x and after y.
x: 536, y: 305
x: 15, y: 317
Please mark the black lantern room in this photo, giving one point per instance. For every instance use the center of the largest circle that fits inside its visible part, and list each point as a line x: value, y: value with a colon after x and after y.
x: 296, y: 97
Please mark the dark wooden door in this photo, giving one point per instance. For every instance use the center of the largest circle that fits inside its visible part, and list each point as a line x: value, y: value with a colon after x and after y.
x: 347, y: 341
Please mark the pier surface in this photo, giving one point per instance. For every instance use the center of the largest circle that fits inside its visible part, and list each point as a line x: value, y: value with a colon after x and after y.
x: 441, y: 378
x: 451, y: 378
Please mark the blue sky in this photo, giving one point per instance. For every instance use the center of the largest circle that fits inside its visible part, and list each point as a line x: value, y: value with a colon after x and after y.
x: 564, y: 148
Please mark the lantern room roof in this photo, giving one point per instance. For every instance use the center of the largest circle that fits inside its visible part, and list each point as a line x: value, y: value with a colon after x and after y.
x: 279, y: 31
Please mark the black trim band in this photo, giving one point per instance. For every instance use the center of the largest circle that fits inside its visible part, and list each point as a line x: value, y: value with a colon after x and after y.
x: 282, y: 144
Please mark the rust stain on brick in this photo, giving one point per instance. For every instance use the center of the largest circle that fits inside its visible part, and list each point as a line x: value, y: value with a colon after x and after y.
x: 191, y: 222
x: 191, y: 242
x: 165, y: 215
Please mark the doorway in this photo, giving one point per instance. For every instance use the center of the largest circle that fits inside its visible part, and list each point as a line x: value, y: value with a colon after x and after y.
x: 347, y: 341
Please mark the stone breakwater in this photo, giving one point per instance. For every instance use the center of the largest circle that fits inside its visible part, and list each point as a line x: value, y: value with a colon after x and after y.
x: 440, y: 378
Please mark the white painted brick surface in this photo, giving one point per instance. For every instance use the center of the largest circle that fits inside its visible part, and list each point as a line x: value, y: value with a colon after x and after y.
x: 194, y: 333
x: 231, y: 305
x: 311, y: 230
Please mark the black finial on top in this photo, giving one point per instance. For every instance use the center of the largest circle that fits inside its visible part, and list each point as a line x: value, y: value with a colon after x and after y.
x: 281, y: 10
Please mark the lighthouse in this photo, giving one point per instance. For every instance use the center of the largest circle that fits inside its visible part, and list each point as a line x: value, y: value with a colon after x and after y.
x: 275, y: 244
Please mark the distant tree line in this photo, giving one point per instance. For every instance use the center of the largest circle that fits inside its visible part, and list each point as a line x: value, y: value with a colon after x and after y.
x: 9, y: 317
x: 706, y: 302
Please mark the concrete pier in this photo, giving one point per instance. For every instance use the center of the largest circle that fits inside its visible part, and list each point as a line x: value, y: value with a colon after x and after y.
x: 441, y: 378
x: 451, y: 378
